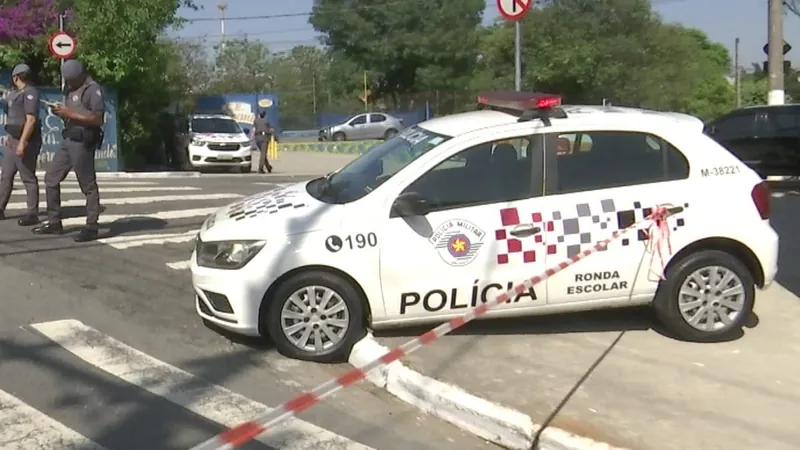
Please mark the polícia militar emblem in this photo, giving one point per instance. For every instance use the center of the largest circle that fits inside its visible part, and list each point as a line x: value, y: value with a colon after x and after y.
x: 457, y: 241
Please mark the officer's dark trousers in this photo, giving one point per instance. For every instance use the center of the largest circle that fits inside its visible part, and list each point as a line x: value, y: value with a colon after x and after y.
x: 72, y: 156
x: 262, y: 156
x: 26, y: 166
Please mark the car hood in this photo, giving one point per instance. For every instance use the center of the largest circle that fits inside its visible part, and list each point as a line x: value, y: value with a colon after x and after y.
x: 283, y: 212
x: 221, y: 137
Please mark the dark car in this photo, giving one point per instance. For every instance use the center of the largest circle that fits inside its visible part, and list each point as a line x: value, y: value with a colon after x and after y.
x: 766, y: 138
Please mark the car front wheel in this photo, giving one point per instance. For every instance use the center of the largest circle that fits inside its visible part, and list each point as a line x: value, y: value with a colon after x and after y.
x: 316, y: 316
x: 707, y: 297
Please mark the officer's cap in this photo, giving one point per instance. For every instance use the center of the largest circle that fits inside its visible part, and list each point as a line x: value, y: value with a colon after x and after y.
x: 20, y: 68
x: 71, y: 69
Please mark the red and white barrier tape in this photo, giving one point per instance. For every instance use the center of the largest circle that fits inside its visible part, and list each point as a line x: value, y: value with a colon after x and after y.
x: 246, y: 432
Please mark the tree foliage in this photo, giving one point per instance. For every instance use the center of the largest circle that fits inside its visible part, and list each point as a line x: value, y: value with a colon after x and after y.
x: 427, y: 44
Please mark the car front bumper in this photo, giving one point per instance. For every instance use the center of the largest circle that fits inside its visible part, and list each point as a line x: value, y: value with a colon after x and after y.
x: 204, y: 157
x: 231, y: 299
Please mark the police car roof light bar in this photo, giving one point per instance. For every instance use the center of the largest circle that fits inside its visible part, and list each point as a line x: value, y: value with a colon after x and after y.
x: 528, y: 105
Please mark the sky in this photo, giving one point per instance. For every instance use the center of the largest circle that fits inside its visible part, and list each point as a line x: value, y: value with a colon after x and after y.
x: 722, y: 20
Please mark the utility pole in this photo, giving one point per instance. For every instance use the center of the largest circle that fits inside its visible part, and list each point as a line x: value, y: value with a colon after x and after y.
x: 517, y: 56
x: 775, y: 53
x: 737, y: 74
x: 223, y: 6
x: 61, y: 17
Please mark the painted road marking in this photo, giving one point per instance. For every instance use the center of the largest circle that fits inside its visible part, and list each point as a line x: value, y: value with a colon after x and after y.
x: 161, y: 215
x: 101, y: 183
x: 134, y: 200
x: 118, y: 190
x: 128, y: 241
x: 24, y: 428
x: 180, y: 265
x: 182, y: 388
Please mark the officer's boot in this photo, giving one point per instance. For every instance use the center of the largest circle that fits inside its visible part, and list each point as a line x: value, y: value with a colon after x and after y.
x: 28, y: 220
x: 49, y: 228
x: 86, y: 235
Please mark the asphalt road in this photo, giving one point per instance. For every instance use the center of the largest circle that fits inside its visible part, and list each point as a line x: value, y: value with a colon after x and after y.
x: 100, y: 346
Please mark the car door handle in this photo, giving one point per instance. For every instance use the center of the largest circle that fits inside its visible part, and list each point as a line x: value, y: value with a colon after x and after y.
x: 525, y: 230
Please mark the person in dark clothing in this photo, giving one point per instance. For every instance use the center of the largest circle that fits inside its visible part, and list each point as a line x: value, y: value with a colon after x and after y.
x: 262, y: 132
x: 24, y: 143
x: 83, y: 113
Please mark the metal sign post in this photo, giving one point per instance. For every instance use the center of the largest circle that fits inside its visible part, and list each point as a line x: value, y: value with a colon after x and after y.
x: 514, y: 10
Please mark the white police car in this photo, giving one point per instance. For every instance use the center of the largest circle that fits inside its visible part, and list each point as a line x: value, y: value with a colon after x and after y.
x: 455, y: 210
x: 217, y: 140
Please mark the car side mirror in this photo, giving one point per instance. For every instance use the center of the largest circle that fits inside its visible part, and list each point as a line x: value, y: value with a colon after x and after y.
x: 246, y: 131
x: 410, y: 204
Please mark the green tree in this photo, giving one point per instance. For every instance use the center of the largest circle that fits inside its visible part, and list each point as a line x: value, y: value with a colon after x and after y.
x: 406, y: 46
x: 121, y: 45
x: 615, y: 50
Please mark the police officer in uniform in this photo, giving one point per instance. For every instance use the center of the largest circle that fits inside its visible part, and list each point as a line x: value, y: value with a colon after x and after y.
x: 24, y: 143
x: 83, y: 114
x: 262, y: 131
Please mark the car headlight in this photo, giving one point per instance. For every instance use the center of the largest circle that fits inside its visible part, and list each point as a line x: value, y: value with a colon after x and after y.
x: 198, y: 142
x: 228, y: 255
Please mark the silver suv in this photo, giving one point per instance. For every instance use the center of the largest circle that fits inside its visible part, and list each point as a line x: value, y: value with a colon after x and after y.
x: 362, y: 127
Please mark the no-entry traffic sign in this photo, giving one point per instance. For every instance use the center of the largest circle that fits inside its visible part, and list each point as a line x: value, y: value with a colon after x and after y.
x: 513, y: 9
x: 62, y: 45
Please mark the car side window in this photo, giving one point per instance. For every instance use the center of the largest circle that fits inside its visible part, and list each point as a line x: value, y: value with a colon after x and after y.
x: 612, y: 159
x: 373, y: 118
x: 359, y: 120
x: 738, y: 126
x: 493, y: 172
x: 779, y: 123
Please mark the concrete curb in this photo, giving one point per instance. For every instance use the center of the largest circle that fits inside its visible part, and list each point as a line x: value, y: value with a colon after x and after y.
x: 498, y: 424
x: 116, y: 175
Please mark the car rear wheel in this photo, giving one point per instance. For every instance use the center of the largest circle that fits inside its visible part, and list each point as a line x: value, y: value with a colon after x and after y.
x: 316, y: 316
x: 339, y: 137
x: 707, y: 297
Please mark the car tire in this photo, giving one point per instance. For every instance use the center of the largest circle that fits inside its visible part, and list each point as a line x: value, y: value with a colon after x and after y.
x: 246, y: 169
x: 390, y: 133
x: 684, y: 276
x: 322, y: 283
x: 339, y: 136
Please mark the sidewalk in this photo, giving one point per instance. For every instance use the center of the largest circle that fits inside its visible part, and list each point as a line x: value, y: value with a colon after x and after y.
x: 288, y: 167
x: 306, y: 163
x: 651, y: 393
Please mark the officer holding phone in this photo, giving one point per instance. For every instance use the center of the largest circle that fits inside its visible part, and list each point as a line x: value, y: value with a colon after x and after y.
x: 24, y: 143
x: 83, y: 114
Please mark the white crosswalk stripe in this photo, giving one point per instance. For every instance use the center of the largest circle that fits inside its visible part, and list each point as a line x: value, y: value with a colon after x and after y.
x: 23, y: 427
x: 147, y: 214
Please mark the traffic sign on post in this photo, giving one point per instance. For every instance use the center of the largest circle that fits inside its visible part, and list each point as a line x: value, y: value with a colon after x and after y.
x: 513, y: 9
x: 786, y: 48
x: 62, y: 45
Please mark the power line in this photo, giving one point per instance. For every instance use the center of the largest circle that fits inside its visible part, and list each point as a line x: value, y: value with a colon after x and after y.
x: 247, y: 34
x: 358, y: 8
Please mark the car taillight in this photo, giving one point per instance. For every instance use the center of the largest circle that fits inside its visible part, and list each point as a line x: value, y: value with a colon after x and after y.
x: 760, y: 195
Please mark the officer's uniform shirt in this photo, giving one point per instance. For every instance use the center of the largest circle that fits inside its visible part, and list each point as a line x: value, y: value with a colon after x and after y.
x: 20, y: 104
x: 87, y: 98
x: 260, y: 129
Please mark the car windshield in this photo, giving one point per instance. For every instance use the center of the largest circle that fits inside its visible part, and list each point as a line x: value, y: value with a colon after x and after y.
x: 215, y: 125
x: 373, y: 168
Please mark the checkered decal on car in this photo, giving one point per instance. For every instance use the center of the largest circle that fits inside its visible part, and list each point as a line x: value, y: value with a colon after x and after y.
x: 570, y: 231
x: 265, y: 203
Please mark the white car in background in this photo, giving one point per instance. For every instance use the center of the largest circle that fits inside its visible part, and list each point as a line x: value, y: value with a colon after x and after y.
x: 218, y: 141
x: 454, y: 211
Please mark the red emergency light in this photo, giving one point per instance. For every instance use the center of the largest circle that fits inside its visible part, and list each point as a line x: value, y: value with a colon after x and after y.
x: 528, y: 105
x: 520, y: 101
